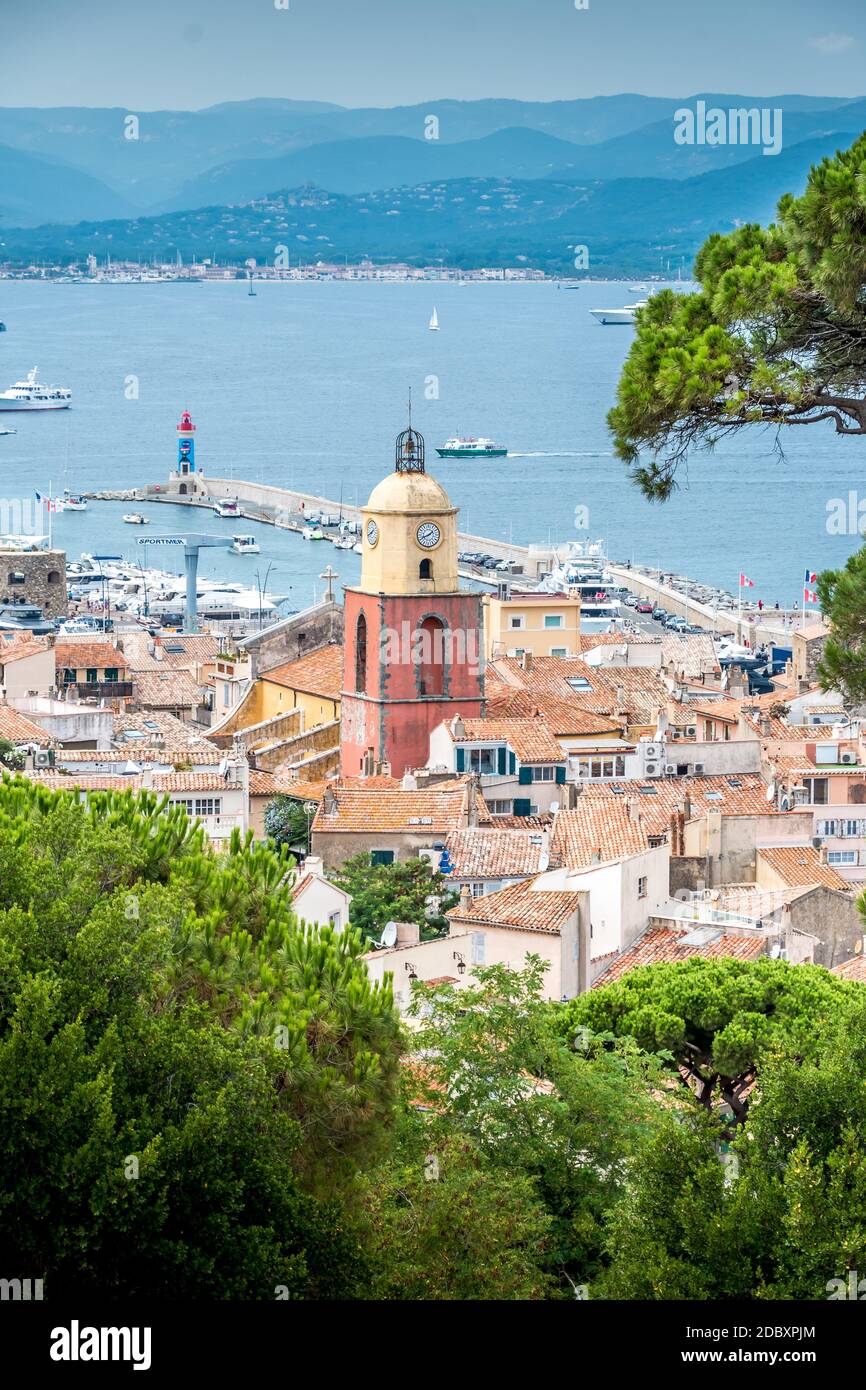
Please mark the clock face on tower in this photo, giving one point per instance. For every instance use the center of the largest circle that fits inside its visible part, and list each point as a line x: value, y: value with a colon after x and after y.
x: 372, y: 533
x: 428, y: 535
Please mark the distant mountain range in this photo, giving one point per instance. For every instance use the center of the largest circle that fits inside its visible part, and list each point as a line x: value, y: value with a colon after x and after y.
x: 190, y: 177
x: 631, y: 225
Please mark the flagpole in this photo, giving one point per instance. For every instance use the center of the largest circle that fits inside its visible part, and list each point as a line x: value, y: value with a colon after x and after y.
x: 50, y: 490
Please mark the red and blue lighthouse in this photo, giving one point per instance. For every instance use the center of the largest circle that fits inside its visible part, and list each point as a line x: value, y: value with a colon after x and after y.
x: 186, y: 445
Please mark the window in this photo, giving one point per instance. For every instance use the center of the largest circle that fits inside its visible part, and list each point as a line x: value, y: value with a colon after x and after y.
x: 842, y: 856
x: 817, y: 789
x: 334, y: 921
x: 579, y: 683
x: 500, y: 808
x: 381, y: 856
x: 826, y: 828
x: 361, y: 655
x: 431, y: 647
x: 559, y: 651
x: 425, y: 569
x: 516, y: 621
x: 111, y: 673
x: 641, y: 887
x: 599, y: 769
x: 477, y: 951
x: 553, y: 620
x: 91, y: 675
x: 543, y: 774
x: 482, y: 760
x: 70, y: 675
x: 16, y: 577
x: 53, y: 576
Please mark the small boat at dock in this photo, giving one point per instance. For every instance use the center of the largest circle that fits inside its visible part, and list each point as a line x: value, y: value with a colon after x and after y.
x: 136, y: 519
x: 245, y: 545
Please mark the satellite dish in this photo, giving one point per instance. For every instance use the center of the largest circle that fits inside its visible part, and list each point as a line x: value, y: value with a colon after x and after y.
x: 554, y: 806
x: 389, y: 935
x: 771, y: 791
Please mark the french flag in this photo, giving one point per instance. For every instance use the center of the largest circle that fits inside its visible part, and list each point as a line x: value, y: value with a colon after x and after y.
x: 746, y: 583
x: 53, y: 506
x: 809, y: 578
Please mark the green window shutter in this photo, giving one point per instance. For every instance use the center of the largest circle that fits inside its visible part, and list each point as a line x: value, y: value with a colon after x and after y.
x: 381, y: 856
x: 560, y: 775
x: 521, y: 807
x: 512, y: 763
x: 461, y: 759
x: 501, y: 762
x: 524, y: 777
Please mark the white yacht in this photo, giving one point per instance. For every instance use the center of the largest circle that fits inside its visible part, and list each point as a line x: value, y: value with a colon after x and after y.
x: 227, y: 506
x: 313, y: 533
x: 136, y: 519
x: 73, y: 503
x: 245, y: 545
x: 628, y: 314
x: 33, y: 395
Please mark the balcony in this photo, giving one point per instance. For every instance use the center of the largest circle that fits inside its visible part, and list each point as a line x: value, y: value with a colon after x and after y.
x: 100, y: 690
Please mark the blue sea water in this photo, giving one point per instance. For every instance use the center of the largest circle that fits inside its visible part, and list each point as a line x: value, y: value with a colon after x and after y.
x: 306, y: 385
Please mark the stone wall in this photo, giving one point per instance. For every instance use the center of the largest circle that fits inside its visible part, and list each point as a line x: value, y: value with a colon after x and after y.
x: 294, y: 637
x: 43, y: 583
x: 324, y: 738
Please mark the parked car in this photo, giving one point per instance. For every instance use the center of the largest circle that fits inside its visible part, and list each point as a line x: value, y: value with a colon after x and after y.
x: 660, y: 613
x: 644, y: 606
x: 631, y: 600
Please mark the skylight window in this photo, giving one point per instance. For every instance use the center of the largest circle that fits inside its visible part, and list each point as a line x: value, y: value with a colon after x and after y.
x: 714, y: 796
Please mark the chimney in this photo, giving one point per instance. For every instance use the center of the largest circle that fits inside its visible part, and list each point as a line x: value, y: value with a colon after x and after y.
x: 410, y: 782
x: 595, y: 857
x: 158, y: 653
x: 313, y: 864
x: 458, y: 728
x: 766, y: 726
x: 147, y: 779
x: 822, y: 855
x: 634, y: 810
x: 470, y: 803
x: 330, y: 803
x: 526, y: 661
x: 408, y: 933
x: 465, y: 899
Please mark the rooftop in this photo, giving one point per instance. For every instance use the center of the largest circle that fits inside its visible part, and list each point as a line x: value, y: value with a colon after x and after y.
x: 520, y: 906
x: 318, y: 673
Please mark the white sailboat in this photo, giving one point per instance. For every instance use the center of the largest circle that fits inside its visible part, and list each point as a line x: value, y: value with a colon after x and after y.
x: 434, y: 321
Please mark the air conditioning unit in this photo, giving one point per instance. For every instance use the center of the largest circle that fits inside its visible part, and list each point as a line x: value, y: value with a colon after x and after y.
x: 848, y: 757
x: 651, y: 769
x: 697, y: 768
x: 670, y: 769
x: 652, y: 750
x: 44, y: 758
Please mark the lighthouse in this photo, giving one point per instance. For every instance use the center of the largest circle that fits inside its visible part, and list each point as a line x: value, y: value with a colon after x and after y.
x: 185, y: 445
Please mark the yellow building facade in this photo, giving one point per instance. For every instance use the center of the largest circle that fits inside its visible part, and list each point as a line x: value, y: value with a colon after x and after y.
x: 543, y: 624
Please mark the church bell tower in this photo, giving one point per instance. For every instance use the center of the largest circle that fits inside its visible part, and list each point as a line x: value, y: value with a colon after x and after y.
x: 412, y: 640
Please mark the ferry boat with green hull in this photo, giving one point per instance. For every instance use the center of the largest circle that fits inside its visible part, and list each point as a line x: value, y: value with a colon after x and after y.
x: 471, y: 448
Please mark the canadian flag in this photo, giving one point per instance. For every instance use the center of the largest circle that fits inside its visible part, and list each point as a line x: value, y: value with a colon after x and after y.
x: 746, y: 583
x: 809, y: 596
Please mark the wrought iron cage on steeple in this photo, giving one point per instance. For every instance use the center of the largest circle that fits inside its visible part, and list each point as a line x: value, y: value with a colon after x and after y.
x: 410, y: 452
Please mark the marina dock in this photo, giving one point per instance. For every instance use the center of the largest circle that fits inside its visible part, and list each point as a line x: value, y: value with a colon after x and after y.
x: 290, y: 510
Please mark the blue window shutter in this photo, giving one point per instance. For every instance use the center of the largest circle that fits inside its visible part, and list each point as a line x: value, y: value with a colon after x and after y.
x: 560, y: 775
x: 501, y: 762
x: 522, y: 808
x: 461, y: 759
x: 512, y: 763
x: 524, y: 777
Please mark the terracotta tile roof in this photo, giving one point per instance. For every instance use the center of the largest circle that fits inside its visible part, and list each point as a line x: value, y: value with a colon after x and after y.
x: 692, y: 655
x: 163, y: 782
x: 199, y: 753
x: 660, y: 945
x: 86, y: 782
x: 17, y: 728
x: 173, y: 732
x: 15, y: 646
x: 539, y: 822
x: 166, y: 690
x: 782, y: 731
x: 604, y: 827
x: 736, y: 794
x: 726, y: 709
x: 636, y: 690
x: 799, y: 865
x: 531, y: 739
x: 519, y: 906
x: 567, y: 720
x: 191, y: 782
x: 197, y: 649
x: 854, y: 969
x: 493, y: 853
x: 391, y: 810
x: 81, y: 655
x: 317, y: 673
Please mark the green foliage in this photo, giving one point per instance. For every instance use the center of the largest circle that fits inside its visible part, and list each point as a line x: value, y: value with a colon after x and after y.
x: 716, y: 1019
x: 160, y: 1003
x: 782, y: 1224
x: 287, y: 823
x: 498, y: 1072
x: 774, y: 336
x: 407, y: 891
x: 842, y: 595
x: 11, y: 757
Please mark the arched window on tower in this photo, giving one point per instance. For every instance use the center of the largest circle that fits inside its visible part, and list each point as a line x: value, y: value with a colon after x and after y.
x: 425, y: 569
x: 431, y: 657
x: 361, y: 655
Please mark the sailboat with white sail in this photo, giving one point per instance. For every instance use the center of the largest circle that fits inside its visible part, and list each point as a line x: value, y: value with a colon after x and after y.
x: 434, y: 321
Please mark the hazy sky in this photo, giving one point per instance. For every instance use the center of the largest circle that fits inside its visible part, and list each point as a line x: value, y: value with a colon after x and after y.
x: 143, y: 54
